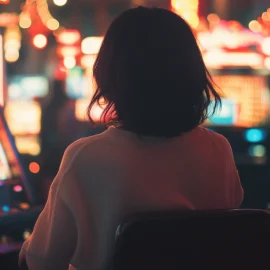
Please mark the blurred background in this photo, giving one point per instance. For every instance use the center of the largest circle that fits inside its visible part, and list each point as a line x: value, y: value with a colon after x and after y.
x: 47, y: 53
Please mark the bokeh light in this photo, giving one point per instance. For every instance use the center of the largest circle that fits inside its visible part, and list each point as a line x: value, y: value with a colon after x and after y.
x: 258, y: 151
x: 24, y: 206
x: 87, y: 61
x: 60, y: 3
x: 34, y: 167
x: 40, y: 41
x: 25, y: 21
x: 52, y: 24
x: 213, y: 18
x: 12, y: 55
x: 255, y: 26
x: 4, y: 2
x: 5, y: 208
x: 266, y: 46
x: 69, y: 62
x: 91, y: 45
x: 17, y: 188
x: 267, y: 62
x: 68, y: 37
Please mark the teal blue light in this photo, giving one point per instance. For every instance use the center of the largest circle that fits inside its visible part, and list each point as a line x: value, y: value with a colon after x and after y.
x: 255, y: 135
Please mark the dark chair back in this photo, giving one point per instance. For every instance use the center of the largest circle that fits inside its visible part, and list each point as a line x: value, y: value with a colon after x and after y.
x: 212, y: 240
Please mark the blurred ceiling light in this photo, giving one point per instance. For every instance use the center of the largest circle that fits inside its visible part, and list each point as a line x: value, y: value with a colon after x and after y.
x: 69, y: 37
x: 91, y: 45
x: 69, y: 62
x: 87, y: 61
x: 266, y: 46
x: 25, y: 21
x: 40, y: 41
x: 52, y: 24
x: 267, y: 62
x: 60, y: 3
x: 255, y: 26
x: 12, y: 56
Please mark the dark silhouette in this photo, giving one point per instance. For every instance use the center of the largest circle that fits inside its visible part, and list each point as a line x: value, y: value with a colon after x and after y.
x: 53, y: 143
x: 151, y: 74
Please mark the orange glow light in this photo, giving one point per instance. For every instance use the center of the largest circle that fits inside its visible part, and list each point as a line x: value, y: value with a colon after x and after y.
x: 34, y: 167
x: 40, y: 41
x: 4, y: 2
x: 24, y: 206
x: 213, y: 18
x: 69, y: 37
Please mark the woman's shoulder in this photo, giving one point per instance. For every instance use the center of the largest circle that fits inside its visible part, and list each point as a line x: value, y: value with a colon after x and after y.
x: 209, y: 136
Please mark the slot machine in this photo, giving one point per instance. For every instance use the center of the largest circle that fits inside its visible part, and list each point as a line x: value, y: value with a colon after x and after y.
x: 17, y: 208
x: 236, y: 62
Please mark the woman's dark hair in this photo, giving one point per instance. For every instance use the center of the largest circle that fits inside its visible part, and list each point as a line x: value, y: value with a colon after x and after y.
x: 151, y: 75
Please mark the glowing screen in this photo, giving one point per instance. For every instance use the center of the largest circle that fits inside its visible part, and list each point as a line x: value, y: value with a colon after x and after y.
x: 245, y: 101
x: 5, y: 172
x: 23, y: 117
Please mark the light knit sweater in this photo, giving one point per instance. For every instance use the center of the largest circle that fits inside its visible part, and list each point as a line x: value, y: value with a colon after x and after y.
x: 105, y: 177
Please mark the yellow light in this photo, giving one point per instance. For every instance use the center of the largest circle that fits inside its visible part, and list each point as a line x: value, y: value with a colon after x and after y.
x: 25, y: 21
x: 217, y: 59
x: 23, y: 117
x: 12, y: 43
x: 188, y: 10
x: 52, y: 24
x: 28, y: 145
x: 40, y: 41
x: 267, y: 62
x: 60, y: 3
x: 91, y: 45
x: 213, y: 18
x: 255, y: 26
x: 69, y: 62
x: 68, y: 37
x: 12, y: 55
x: 87, y: 61
x: 66, y: 51
x: 266, y: 46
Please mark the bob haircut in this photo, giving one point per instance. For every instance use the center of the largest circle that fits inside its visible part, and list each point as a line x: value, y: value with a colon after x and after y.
x: 151, y: 76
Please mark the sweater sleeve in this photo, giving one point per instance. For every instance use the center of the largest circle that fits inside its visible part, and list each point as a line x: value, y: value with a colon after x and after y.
x: 53, y: 241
